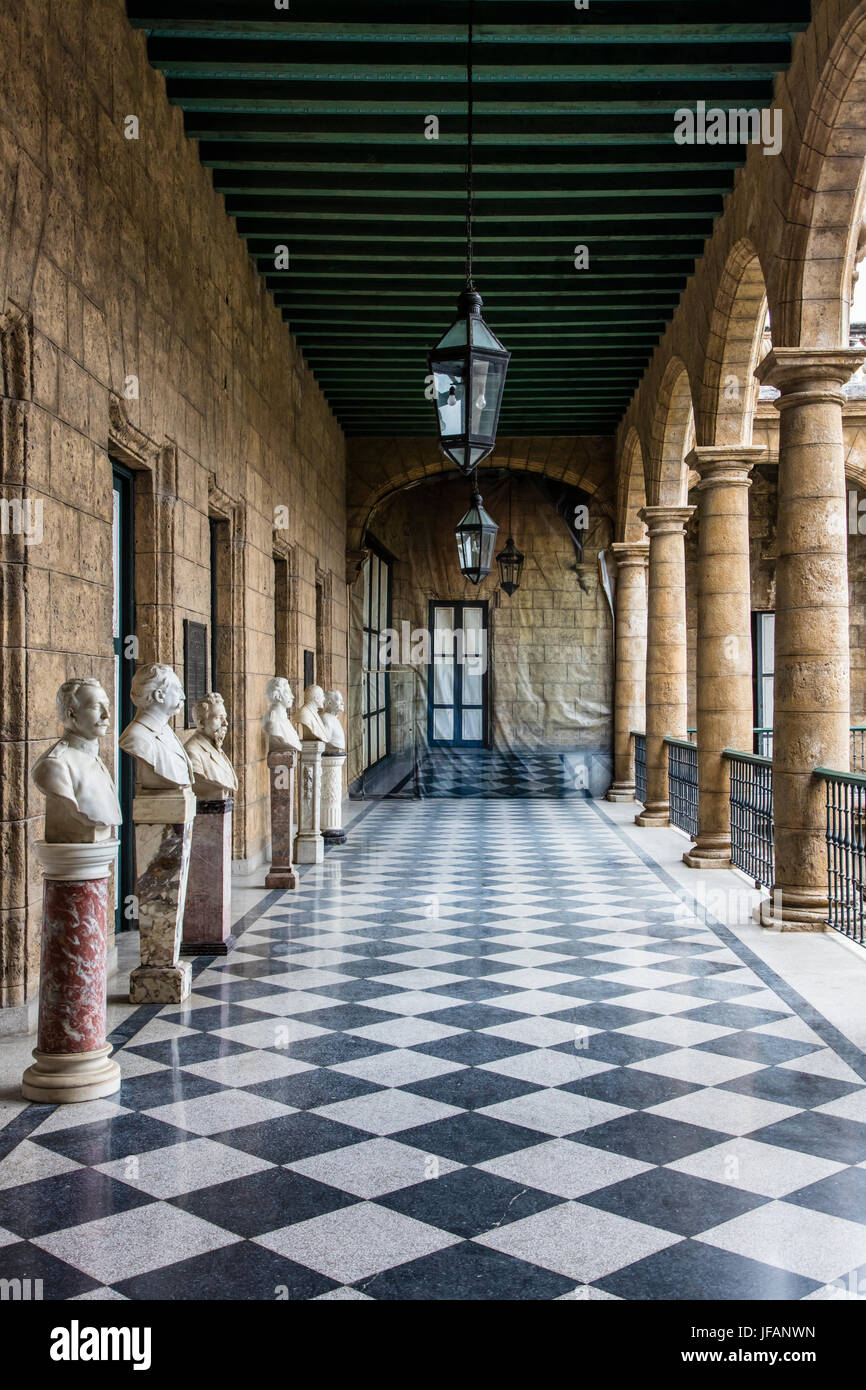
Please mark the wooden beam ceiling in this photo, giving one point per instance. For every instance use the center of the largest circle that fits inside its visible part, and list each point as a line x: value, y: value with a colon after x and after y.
x: 312, y: 119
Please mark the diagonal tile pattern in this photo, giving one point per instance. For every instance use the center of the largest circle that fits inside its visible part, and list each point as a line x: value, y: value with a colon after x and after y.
x: 485, y: 1051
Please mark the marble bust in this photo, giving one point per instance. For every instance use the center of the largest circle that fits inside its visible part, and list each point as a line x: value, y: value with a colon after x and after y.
x: 81, y: 805
x: 162, y: 761
x: 335, y: 735
x: 310, y: 724
x: 213, y: 777
x: 280, y: 731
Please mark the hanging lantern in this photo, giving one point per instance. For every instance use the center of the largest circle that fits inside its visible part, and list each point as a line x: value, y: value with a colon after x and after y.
x: 476, y: 539
x: 510, y: 562
x: 468, y: 367
x: 469, y: 363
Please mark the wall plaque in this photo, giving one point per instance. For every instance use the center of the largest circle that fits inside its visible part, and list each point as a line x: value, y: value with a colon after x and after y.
x: 194, y: 666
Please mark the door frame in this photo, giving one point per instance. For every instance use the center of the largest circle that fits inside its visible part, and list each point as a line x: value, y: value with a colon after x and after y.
x: 458, y: 605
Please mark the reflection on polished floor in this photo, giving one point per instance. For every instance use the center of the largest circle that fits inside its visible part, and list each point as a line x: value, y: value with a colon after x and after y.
x: 487, y: 1051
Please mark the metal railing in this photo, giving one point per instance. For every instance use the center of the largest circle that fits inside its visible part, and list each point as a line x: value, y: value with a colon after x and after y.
x: 639, y: 767
x: 683, y: 784
x: 846, y: 850
x: 752, y: 815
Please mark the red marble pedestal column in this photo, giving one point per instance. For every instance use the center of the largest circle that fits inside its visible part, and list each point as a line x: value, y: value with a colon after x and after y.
x: 282, y: 766
x: 72, y: 1059
x: 207, y: 927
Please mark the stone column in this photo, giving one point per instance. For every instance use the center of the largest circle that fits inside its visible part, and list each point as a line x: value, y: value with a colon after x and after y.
x: 724, y: 644
x: 282, y: 767
x: 207, y: 920
x: 666, y: 691
x: 309, y: 846
x: 630, y: 662
x: 332, y: 798
x: 811, y: 698
x: 72, y: 1057
x: 163, y: 837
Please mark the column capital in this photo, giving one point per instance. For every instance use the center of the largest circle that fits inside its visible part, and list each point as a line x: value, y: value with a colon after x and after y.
x: 662, y: 521
x: 814, y: 373
x: 629, y: 553
x: 724, y: 465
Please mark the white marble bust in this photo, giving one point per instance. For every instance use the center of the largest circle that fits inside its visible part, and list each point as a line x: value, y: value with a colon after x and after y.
x: 280, y: 731
x: 81, y: 804
x: 213, y: 777
x: 310, y: 724
x: 161, y: 757
x: 333, y: 708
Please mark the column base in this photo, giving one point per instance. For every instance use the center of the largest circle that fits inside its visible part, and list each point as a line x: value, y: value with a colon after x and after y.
x: 709, y: 852
x: 209, y: 948
x: 281, y: 878
x: 334, y: 837
x: 621, y: 791
x: 657, y: 815
x: 65, y: 1078
x: 789, y: 910
x: 160, y: 984
x: 311, y: 851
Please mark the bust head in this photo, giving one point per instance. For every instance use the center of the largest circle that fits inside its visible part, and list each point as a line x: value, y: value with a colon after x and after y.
x: 82, y: 707
x: 279, y: 692
x: 210, y: 718
x: 333, y: 702
x: 314, y: 695
x: 157, y: 690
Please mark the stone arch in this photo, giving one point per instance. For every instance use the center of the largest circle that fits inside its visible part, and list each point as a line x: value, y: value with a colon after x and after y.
x: 826, y: 206
x: 631, y: 491
x: 673, y: 434
x: 729, y: 391
x: 588, y: 465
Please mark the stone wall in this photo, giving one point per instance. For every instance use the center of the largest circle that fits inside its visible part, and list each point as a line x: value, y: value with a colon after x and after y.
x: 550, y: 644
x: 133, y: 324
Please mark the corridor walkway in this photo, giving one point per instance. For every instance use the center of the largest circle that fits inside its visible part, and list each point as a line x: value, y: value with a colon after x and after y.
x: 487, y: 1051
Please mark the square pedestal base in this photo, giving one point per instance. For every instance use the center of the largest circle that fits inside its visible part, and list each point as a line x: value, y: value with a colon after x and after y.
x: 281, y: 878
x: 160, y: 984
x: 310, y: 851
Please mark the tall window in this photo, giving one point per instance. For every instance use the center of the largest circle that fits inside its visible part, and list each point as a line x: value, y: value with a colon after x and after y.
x: 375, y: 681
x: 763, y: 634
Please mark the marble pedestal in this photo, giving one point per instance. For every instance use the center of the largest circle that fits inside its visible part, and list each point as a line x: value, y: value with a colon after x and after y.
x: 163, y: 839
x: 207, y: 928
x: 282, y: 768
x: 332, y: 798
x: 309, y: 846
x: 72, y: 1058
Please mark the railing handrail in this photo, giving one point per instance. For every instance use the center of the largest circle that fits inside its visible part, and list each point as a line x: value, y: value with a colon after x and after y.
x: 637, y: 733
x: 747, y: 757
x: 678, y: 742
x: 849, y: 779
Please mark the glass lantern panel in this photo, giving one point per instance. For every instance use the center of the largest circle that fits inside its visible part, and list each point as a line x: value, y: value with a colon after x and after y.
x: 488, y: 545
x: 469, y: 546
x: 455, y: 337
x: 483, y: 338
x: 488, y: 379
x: 450, y: 391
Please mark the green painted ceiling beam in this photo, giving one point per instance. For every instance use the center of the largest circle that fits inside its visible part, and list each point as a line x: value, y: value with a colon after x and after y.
x: 608, y: 100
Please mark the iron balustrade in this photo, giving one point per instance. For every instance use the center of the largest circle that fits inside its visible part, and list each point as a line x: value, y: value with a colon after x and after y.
x: 752, y: 815
x: 639, y: 767
x: 846, y: 850
x: 683, y: 785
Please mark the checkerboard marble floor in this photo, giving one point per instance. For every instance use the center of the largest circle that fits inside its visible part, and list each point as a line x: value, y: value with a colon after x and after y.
x: 486, y: 1051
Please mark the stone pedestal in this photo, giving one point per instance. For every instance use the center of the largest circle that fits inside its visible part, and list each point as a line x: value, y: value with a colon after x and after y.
x: 724, y: 642
x: 812, y: 701
x: 666, y: 690
x: 163, y: 839
x: 207, y: 918
x: 72, y: 1058
x: 332, y: 798
x: 630, y: 670
x: 282, y: 768
x: 309, y: 846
